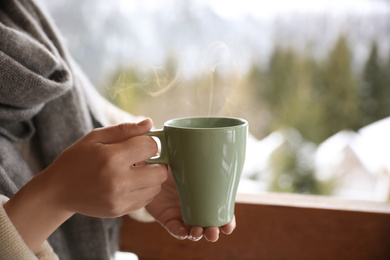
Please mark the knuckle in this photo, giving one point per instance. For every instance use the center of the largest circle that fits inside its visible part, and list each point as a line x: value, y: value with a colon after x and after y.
x: 161, y: 173
x: 151, y: 145
x: 125, y: 128
x: 114, y: 206
x: 93, y: 134
x: 111, y: 186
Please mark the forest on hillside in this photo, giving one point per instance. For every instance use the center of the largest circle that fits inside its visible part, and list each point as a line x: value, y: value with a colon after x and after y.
x: 315, y: 97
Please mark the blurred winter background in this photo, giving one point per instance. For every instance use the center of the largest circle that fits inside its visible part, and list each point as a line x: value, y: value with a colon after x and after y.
x: 311, y: 77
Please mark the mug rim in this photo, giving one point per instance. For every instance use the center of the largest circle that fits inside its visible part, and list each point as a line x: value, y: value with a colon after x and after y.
x: 240, y: 122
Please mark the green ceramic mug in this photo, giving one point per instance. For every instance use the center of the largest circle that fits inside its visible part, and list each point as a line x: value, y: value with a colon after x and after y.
x: 206, y: 156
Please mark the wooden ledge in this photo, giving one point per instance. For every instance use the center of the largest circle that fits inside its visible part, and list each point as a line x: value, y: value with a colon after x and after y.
x: 313, y: 201
x: 277, y: 226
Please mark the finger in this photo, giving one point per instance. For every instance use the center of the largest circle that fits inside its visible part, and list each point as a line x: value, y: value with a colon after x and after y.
x: 140, y: 164
x: 211, y: 234
x: 147, y: 176
x: 136, y: 149
x: 121, y: 132
x: 196, y: 234
x: 176, y: 229
x: 229, y: 228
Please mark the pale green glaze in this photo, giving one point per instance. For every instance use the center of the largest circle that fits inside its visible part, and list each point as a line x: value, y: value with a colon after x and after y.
x: 206, y: 156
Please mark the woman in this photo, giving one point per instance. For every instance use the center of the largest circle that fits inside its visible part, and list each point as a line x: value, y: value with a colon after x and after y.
x: 65, y: 174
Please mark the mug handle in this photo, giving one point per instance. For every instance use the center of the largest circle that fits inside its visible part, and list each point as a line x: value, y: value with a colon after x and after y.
x: 163, y: 156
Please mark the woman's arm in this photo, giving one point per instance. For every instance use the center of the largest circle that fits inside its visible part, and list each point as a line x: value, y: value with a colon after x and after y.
x: 12, y: 245
x: 33, y: 212
x: 95, y: 176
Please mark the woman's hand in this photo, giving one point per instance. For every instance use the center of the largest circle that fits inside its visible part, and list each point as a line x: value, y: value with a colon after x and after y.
x: 96, y: 176
x: 165, y: 208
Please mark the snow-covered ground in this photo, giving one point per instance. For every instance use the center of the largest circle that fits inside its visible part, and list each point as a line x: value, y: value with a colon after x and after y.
x: 360, y: 161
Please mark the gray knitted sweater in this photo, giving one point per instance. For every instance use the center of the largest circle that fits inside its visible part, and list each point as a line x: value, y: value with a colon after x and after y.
x: 44, y: 95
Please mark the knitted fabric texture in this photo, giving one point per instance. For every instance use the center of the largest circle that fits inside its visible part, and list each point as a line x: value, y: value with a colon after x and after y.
x: 44, y: 94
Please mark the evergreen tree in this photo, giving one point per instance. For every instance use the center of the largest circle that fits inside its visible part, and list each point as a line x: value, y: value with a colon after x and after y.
x: 375, y: 87
x: 338, y: 92
x: 281, y: 79
x: 291, y: 95
x: 384, y: 98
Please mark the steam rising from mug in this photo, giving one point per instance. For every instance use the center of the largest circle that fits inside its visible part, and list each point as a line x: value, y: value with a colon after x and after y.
x: 207, y: 92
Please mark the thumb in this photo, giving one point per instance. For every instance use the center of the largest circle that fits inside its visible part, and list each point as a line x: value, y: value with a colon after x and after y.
x: 121, y: 132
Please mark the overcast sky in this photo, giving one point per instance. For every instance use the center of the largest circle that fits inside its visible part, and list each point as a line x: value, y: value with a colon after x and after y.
x: 264, y: 8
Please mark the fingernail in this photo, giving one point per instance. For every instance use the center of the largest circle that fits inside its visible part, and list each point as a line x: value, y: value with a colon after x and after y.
x: 181, y: 237
x: 182, y: 234
x: 194, y: 238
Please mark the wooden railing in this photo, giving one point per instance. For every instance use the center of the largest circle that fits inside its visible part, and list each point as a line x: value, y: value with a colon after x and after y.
x: 277, y: 226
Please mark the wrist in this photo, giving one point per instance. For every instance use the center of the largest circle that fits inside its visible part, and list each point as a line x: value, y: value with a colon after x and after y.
x: 35, y: 213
